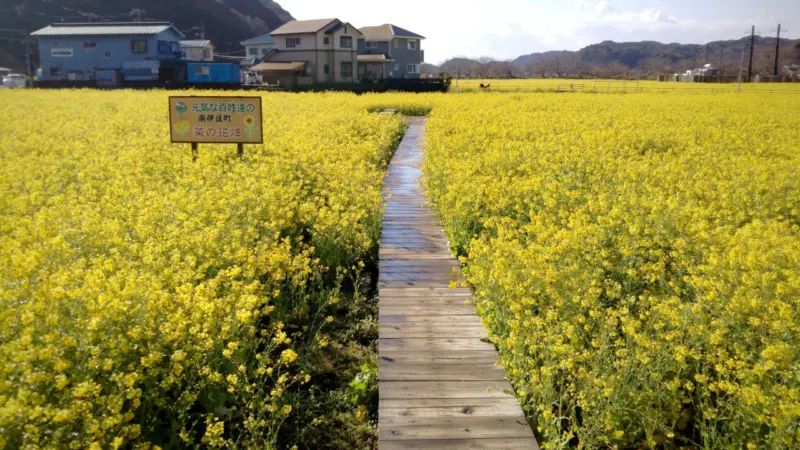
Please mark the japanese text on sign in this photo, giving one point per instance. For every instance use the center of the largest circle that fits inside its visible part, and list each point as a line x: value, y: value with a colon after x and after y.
x: 216, y: 120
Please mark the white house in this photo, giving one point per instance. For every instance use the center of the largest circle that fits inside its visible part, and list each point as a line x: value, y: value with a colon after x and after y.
x: 197, y: 50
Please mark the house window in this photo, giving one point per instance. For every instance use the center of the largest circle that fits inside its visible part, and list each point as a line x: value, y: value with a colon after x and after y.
x: 163, y: 47
x: 412, y: 45
x: 292, y: 42
x: 201, y: 70
x: 252, y: 51
x: 55, y: 71
x: 361, y: 69
x: 372, y: 44
x: 412, y: 68
x: 347, y: 69
x: 397, y: 67
x: 397, y: 43
x: 89, y: 44
x: 327, y: 69
x: 264, y: 51
x: 327, y: 41
x: 346, y: 41
x: 206, y: 53
x: 139, y: 46
x: 108, y: 54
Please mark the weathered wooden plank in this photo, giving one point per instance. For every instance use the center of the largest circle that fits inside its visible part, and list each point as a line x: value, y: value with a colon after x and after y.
x: 424, y: 301
x: 427, y: 291
x: 476, y: 357
x: 435, y: 344
x: 431, y: 320
x: 461, y: 444
x: 408, y: 310
x: 456, y: 428
x: 407, y: 331
x: 443, y: 389
x: 449, y: 407
x: 443, y: 372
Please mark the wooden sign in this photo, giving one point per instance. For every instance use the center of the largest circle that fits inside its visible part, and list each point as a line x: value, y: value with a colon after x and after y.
x: 216, y: 120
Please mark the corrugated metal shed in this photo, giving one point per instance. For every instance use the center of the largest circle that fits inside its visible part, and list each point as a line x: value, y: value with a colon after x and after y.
x: 279, y: 66
x: 106, y: 29
x: 199, y: 43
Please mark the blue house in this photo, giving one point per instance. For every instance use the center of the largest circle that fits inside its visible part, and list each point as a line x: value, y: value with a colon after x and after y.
x: 110, y: 53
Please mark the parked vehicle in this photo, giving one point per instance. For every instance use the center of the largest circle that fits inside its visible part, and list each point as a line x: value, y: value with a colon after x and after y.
x: 15, y: 81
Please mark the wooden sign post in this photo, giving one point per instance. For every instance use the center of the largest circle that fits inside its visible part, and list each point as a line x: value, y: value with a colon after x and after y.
x: 216, y: 120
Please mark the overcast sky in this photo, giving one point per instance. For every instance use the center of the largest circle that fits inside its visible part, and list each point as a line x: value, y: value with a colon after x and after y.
x: 505, y: 29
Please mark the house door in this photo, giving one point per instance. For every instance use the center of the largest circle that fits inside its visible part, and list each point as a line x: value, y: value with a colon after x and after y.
x: 375, y: 71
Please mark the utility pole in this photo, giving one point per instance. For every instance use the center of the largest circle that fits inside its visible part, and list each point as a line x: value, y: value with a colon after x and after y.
x: 777, y: 51
x: 741, y: 66
x: 752, y: 45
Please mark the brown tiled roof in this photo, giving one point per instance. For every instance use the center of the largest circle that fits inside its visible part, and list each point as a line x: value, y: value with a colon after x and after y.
x: 387, y: 32
x: 303, y: 26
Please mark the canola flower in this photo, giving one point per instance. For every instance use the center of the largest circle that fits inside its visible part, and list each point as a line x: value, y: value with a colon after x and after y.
x: 635, y: 257
x: 149, y: 301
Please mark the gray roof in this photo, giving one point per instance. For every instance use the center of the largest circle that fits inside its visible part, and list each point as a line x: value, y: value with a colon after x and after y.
x: 263, y: 39
x: 340, y: 26
x: 303, y: 26
x: 387, y: 32
x: 106, y: 29
x: 196, y: 43
x: 247, y: 62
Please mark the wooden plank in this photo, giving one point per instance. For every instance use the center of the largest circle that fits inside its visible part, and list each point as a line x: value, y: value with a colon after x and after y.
x: 456, y: 428
x: 424, y: 301
x: 406, y: 331
x: 475, y: 357
x: 461, y: 444
x: 443, y: 389
x: 466, y: 310
x: 435, y: 344
x: 443, y: 372
x: 427, y: 291
x: 424, y: 407
x: 443, y: 320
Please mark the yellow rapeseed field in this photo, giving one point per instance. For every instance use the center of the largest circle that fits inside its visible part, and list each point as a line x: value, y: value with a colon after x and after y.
x: 636, y: 259
x: 150, y: 301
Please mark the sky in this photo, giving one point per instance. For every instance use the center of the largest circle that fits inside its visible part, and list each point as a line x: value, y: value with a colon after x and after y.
x: 506, y: 29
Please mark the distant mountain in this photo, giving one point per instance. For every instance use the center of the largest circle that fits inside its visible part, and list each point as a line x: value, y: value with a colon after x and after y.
x: 225, y: 22
x: 545, y: 56
x: 458, y: 63
x: 636, y: 55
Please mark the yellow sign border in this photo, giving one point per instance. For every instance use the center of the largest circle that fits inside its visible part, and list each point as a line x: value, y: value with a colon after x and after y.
x: 260, y: 118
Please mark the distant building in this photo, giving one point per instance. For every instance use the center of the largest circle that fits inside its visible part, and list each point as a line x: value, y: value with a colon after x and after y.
x: 388, y: 51
x: 110, y: 53
x: 258, y: 46
x: 792, y: 72
x: 312, y: 51
x: 197, y: 50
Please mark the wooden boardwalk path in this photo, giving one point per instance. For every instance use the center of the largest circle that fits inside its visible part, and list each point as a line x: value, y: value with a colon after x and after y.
x: 440, y: 386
